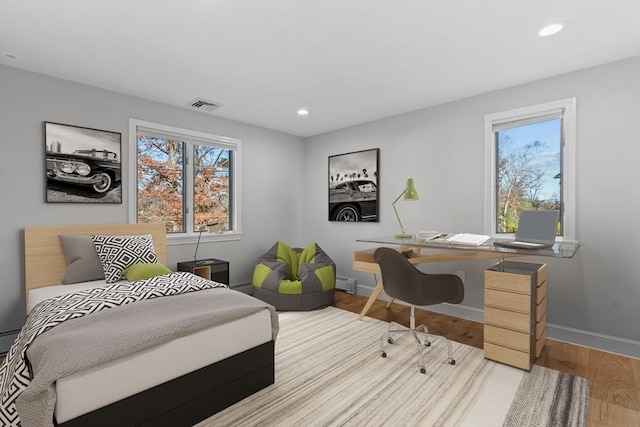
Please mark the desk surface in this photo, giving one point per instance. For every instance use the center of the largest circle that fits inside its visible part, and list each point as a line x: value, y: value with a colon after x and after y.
x: 559, y: 250
x: 445, y: 251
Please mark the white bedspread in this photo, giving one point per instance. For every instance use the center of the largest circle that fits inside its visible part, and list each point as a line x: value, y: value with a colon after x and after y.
x: 36, y: 296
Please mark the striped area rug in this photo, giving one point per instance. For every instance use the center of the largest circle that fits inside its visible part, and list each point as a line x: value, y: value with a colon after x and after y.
x: 329, y: 373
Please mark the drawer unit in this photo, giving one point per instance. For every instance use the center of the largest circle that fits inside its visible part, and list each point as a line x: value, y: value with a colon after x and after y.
x: 541, y: 292
x: 507, y: 319
x: 511, y: 301
x: 507, y: 338
x: 515, y: 310
x: 541, y: 310
x: 508, y: 356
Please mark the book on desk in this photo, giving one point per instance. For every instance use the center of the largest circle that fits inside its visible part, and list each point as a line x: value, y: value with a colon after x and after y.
x: 467, y: 239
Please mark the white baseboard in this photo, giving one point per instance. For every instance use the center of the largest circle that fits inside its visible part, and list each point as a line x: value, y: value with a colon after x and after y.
x: 608, y: 343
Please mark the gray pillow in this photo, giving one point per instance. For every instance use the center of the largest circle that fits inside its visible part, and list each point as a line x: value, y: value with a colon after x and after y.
x: 83, y: 263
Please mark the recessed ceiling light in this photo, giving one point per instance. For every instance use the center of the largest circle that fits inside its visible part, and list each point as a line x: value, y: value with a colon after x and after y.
x: 303, y: 112
x: 551, y: 29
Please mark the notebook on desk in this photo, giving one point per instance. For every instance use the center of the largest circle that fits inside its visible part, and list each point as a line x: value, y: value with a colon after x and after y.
x: 536, y: 230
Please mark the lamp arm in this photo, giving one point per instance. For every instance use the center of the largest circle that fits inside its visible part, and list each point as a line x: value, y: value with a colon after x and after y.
x: 195, y: 255
x: 396, y: 211
x: 401, y: 194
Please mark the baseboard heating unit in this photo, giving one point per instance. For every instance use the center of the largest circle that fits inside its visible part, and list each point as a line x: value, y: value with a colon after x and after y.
x: 346, y: 284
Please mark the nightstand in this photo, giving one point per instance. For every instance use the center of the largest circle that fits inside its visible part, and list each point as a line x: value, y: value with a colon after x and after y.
x: 212, y: 269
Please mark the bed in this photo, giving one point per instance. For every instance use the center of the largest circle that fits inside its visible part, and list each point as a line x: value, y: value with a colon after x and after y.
x: 176, y: 382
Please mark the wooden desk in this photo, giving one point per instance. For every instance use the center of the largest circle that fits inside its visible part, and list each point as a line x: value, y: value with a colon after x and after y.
x: 515, y: 307
x: 363, y: 261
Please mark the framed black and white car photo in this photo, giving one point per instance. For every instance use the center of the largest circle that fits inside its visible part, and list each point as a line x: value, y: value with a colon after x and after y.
x: 353, y: 186
x: 82, y: 165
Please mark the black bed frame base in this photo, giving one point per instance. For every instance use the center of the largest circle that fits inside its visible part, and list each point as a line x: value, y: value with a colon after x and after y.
x: 189, y: 399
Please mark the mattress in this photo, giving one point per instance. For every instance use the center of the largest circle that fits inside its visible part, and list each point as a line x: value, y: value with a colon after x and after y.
x: 102, y: 385
x: 38, y: 295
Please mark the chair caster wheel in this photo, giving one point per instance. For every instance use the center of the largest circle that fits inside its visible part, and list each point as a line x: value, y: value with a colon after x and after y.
x: 423, y: 370
x: 384, y: 354
x: 390, y: 340
x: 452, y: 362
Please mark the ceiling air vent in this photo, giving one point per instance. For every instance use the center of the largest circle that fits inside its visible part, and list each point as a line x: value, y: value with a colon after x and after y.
x: 203, y: 104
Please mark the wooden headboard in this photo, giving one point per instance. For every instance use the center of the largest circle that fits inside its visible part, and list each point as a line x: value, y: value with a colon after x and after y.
x: 44, y: 261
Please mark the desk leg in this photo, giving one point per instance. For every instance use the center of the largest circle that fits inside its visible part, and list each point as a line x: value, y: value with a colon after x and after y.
x: 374, y: 296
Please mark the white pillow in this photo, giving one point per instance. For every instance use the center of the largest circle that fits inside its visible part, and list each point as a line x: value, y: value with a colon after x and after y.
x: 119, y: 252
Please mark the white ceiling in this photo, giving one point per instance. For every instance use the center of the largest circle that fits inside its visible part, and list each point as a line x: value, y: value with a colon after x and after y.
x: 348, y: 62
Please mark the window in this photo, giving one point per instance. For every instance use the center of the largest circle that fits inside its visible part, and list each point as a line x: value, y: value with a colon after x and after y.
x: 185, y: 179
x: 530, y: 164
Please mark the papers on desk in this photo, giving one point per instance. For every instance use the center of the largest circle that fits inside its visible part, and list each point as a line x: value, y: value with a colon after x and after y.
x: 428, y: 235
x: 454, y: 239
x: 467, y: 239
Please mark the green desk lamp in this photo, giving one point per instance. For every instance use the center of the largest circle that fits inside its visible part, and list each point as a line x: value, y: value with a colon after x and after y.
x: 409, y: 193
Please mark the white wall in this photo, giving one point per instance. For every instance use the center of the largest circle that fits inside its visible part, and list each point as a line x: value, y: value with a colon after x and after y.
x: 271, y: 204
x: 594, y: 297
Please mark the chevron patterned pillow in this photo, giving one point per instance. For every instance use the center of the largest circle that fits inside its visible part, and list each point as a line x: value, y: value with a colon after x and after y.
x: 119, y: 252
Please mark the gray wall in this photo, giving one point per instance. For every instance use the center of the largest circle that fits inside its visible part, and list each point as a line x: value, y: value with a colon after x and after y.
x: 271, y: 204
x: 594, y: 298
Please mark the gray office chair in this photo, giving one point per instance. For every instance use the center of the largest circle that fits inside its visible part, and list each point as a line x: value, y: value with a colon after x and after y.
x: 403, y: 281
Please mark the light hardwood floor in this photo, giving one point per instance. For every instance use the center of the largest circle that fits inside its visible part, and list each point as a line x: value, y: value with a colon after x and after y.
x: 614, y: 380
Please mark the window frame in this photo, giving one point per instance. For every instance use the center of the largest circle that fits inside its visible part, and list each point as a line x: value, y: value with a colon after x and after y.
x: 567, y: 108
x: 194, y: 137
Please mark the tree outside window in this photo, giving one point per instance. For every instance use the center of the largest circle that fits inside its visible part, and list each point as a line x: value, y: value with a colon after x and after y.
x: 529, y: 158
x: 184, y: 179
x: 161, y: 182
x: 161, y: 189
x: 528, y: 171
x: 211, y: 186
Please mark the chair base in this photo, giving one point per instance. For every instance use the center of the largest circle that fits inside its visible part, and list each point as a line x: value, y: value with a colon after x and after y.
x: 421, y: 336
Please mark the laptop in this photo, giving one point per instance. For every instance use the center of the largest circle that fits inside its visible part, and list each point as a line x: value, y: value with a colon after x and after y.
x: 536, y: 230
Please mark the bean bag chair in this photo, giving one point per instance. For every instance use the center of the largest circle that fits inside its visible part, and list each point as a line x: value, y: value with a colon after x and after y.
x: 295, y: 279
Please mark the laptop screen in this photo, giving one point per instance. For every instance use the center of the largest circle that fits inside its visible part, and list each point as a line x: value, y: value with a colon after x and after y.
x: 537, y: 226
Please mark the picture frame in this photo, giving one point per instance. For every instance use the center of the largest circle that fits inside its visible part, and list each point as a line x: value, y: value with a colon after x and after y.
x: 82, y: 165
x: 353, y: 186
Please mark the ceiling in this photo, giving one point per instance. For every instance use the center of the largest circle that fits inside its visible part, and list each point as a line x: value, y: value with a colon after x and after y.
x: 347, y: 62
